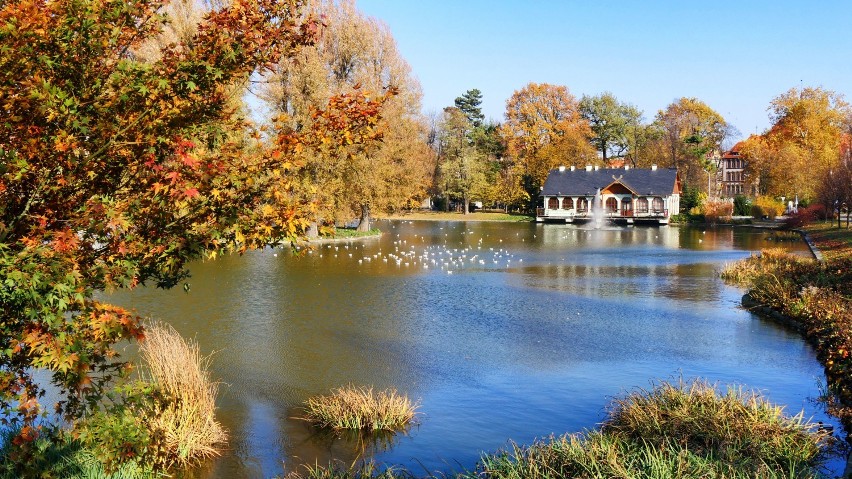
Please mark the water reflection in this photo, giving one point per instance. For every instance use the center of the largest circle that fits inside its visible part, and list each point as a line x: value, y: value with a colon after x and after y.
x: 503, y: 331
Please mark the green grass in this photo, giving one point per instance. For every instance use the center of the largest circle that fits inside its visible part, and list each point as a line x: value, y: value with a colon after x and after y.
x: 57, y: 455
x: 362, y: 409
x: 454, y: 216
x: 353, y: 233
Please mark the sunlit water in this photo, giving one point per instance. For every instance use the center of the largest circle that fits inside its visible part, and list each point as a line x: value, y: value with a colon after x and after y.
x: 502, y: 331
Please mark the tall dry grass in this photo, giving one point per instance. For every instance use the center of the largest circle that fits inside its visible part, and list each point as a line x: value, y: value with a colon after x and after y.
x: 361, y: 408
x: 185, y: 419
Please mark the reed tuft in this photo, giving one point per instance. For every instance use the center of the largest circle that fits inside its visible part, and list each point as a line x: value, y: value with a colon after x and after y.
x: 185, y: 419
x: 360, y: 408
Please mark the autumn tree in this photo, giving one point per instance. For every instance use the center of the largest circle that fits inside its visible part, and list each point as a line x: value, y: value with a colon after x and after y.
x: 802, y: 145
x: 544, y: 129
x: 470, y: 104
x: 356, y: 53
x: 116, y: 170
x: 690, y: 131
x: 614, y: 124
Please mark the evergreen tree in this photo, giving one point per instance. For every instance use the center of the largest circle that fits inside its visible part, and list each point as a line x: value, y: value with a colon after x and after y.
x: 469, y: 104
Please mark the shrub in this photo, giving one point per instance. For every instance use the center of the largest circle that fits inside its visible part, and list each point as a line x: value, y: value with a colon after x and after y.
x: 804, y: 216
x: 766, y: 206
x: 742, y: 205
x: 356, y: 408
x: 59, y: 455
x: 716, y: 210
x: 691, y: 198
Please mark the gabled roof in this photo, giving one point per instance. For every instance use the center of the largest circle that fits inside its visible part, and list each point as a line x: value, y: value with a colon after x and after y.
x: 580, y: 182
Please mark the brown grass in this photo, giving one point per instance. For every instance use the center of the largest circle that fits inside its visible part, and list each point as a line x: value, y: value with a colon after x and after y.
x: 359, y: 408
x: 186, y: 420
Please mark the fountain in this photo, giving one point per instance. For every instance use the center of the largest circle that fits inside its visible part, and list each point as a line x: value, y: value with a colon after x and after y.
x: 597, y: 210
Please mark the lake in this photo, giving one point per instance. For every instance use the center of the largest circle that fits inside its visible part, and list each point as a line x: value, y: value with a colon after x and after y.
x: 501, y: 331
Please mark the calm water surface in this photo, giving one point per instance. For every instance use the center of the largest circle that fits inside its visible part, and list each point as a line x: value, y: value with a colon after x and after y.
x: 502, y: 331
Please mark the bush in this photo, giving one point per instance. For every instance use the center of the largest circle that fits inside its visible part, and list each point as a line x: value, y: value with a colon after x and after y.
x: 742, y: 206
x: 690, y: 198
x: 765, y: 206
x: 804, y: 216
x: 716, y: 210
x: 356, y: 408
x: 58, y: 455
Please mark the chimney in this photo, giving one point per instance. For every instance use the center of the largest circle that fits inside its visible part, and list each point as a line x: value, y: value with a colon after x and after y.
x: 573, y: 167
x: 561, y: 168
x: 588, y: 167
x: 626, y: 167
x: 653, y: 167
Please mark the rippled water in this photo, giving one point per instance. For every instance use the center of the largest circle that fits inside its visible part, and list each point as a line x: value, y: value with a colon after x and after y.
x: 530, y: 334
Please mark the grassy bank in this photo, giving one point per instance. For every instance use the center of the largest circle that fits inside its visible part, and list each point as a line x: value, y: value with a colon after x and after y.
x: 834, y: 243
x: 453, y: 216
x: 674, y: 430
x: 345, y: 233
x: 816, y: 296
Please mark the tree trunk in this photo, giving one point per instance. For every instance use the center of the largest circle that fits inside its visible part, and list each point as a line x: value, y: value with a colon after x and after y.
x: 466, y: 204
x: 364, y: 225
x: 313, y: 230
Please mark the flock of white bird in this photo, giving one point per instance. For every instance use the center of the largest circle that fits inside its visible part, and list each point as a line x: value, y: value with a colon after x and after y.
x: 411, y: 254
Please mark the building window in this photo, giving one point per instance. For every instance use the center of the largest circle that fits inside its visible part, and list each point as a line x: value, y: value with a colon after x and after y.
x: 611, y: 205
x: 553, y: 204
x: 582, y: 205
x: 642, y: 205
x: 657, y: 205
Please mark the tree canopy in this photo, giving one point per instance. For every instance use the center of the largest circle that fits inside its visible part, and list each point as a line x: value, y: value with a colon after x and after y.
x: 802, y: 145
x: 544, y: 129
x: 117, y: 168
x: 690, y: 130
x: 355, y: 53
x: 470, y: 104
x: 611, y: 122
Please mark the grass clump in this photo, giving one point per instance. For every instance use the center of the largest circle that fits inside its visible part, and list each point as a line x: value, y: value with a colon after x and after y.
x: 184, y: 421
x: 357, y: 471
x: 736, y: 427
x: 360, y: 408
x: 674, y: 431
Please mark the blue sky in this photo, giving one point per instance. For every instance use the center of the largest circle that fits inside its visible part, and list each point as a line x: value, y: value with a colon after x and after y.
x: 733, y: 55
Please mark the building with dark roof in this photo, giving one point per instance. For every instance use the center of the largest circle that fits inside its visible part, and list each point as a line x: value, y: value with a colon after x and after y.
x: 621, y: 194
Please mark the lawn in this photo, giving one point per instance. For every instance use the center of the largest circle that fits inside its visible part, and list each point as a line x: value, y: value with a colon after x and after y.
x: 834, y: 243
x: 454, y: 216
